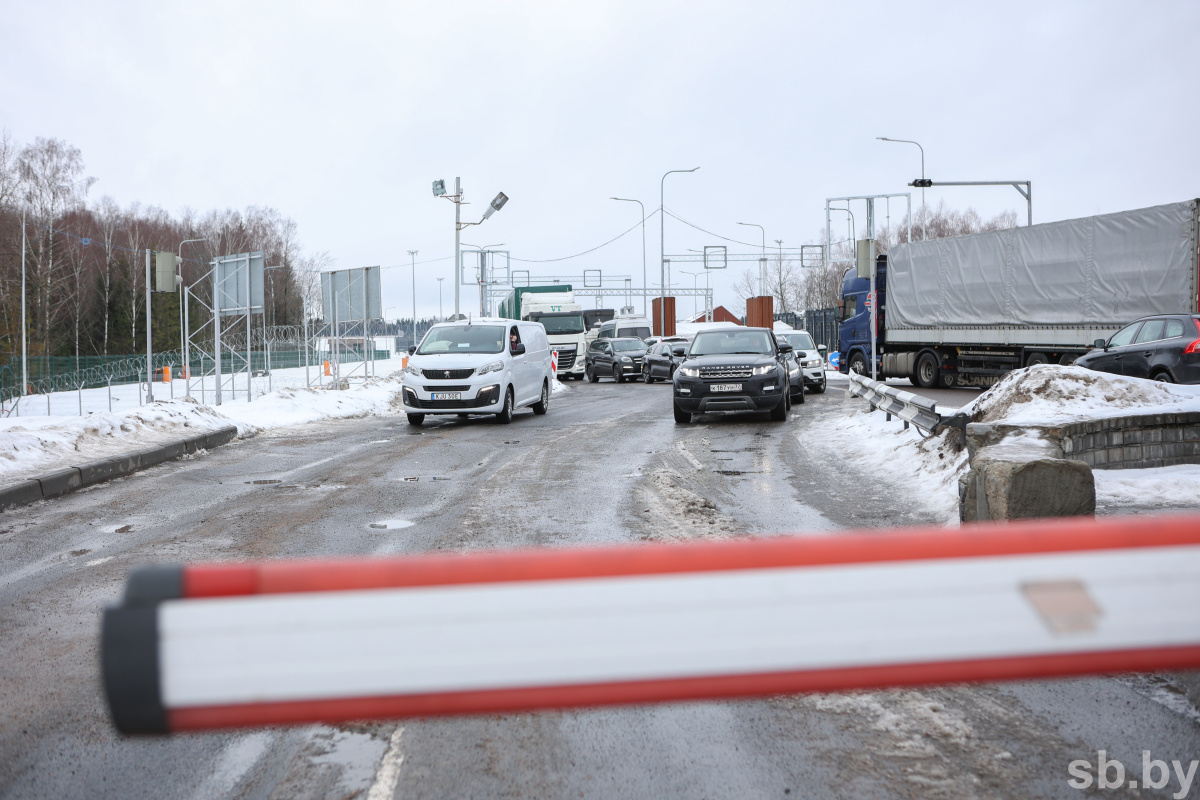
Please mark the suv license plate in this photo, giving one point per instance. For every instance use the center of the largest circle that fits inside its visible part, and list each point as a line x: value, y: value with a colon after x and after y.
x: 726, y: 387
x: 445, y: 396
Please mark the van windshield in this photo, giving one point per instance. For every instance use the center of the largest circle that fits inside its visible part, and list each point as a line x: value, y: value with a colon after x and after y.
x: 463, y: 339
x: 559, y: 321
x: 641, y: 332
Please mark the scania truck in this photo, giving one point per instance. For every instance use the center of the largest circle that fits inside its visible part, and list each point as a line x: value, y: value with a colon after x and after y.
x: 963, y: 311
x: 554, y: 306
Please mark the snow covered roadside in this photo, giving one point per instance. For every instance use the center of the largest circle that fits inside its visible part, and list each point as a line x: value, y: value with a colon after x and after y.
x: 927, y: 470
x: 31, y: 446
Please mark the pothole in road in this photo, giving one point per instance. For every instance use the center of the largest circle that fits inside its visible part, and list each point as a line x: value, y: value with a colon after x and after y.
x: 264, y: 482
x: 391, y: 524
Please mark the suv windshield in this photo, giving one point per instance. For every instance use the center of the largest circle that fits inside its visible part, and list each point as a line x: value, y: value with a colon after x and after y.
x: 463, y: 339
x: 708, y: 343
x: 800, y: 341
x: 627, y: 346
x: 560, y: 321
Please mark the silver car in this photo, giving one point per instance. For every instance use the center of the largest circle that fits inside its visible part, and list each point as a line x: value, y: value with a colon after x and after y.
x: 811, y: 357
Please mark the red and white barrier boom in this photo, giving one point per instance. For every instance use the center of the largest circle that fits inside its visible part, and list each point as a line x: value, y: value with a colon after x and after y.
x: 225, y: 645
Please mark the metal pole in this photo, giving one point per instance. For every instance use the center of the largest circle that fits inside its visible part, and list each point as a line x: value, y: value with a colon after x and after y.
x: 24, y: 352
x: 662, y: 251
x: 216, y: 332
x: 413, y: 255
x: 149, y: 344
x: 924, y: 232
x: 762, y: 265
x: 870, y: 226
x: 110, y: 395
x: 304, y: 313
x: 187, y: 341
x: 249, y: 364
x: 643, y: 208
x: 440, y: 317
x: 457, y: 243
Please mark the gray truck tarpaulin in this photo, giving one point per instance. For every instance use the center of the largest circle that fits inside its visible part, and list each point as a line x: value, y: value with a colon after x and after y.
x: 1098, y: 271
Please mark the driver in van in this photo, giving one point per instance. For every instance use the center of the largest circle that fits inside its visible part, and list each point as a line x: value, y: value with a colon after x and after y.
x: 514, y: 338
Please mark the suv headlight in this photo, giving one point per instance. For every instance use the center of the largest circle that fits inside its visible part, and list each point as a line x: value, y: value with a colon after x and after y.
x: 813, y: 362
x: 627, y: 359
x: 494, y: 366
x: 764, y: 369
x: 412, y: 369
x: 689, y: 372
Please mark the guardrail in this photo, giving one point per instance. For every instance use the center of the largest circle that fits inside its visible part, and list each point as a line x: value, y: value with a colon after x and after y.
x: 909, y: 407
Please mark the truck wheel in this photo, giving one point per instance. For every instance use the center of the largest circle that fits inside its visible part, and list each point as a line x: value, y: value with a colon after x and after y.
x: 681, y: 416
x: 1035, y: 359
x: 590, y: 374
x: 927, y: 371
x: 542, y: 405
x: 1067, y: 359
x: 858, y: 364
x: 416, y: 419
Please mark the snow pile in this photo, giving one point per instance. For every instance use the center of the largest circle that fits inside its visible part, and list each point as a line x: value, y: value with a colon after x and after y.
x: 31, y: 446
x: 1054, y: 395
x: 926, y: 470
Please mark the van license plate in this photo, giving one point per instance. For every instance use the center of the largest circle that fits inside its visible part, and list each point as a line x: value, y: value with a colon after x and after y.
x: 726, y: 387
x: 445, y: 395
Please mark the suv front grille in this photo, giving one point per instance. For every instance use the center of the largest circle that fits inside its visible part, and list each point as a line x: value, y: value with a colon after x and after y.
x: 721, y: 373
x: 447, y: 374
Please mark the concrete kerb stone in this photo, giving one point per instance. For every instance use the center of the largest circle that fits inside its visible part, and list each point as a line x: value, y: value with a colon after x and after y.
x: 20, y: 494
x: 72, y: 478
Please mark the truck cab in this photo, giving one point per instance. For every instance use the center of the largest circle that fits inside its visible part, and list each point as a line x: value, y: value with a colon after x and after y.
x: 854, y: 330
x: 563, y: 320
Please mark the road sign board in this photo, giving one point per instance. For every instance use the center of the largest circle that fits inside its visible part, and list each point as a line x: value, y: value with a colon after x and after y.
x: 227, y: 645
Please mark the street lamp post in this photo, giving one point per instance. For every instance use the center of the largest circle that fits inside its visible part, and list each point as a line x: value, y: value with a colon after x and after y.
x: 639, y: 202
x: 439, y: 280
x: 24, y: 353
x: 924, y: 233
x: 439, y: 190
x: 662, y: 250
x: 695, y: 286
x: 762, y: 269
x: 413, y: 255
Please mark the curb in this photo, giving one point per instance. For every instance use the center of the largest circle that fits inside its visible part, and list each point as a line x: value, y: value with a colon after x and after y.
x: 64, y: 481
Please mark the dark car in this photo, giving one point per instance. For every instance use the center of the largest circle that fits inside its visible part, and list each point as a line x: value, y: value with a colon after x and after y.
x: 1162, y: 348
x: 662, y: 359
x: 614, y: 358
x: 733, y: 369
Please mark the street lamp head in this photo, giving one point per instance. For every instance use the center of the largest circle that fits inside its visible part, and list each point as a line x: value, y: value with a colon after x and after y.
x: 497, y: 203
x: 439, y: 188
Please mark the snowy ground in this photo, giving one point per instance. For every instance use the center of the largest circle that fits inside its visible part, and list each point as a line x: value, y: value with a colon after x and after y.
x: 33, y: 443
x: 1038, y: 395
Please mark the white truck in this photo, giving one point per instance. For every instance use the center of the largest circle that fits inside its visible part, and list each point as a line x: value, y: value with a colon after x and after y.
x: 562, y: 318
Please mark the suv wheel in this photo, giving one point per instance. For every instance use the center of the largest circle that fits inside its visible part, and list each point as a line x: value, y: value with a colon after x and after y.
x: 590, y: 374
x: 780, y: 412
x: 800, y: 397
x: 618, y: 376
x: 681, y: 416
x: 646, y: 376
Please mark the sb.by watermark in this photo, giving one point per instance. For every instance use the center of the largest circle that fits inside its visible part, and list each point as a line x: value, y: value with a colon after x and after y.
x: 1110, y: 774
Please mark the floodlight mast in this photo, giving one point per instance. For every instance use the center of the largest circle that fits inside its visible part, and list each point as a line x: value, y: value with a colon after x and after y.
x: 439, y: 190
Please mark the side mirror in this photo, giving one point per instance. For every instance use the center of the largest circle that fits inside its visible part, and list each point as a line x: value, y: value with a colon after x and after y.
x: 412, y: 349
x: 821, y: 348
x: 517, y: 349
x: 1100, y: 344
x: 784, y: 347
x: 679, y: 350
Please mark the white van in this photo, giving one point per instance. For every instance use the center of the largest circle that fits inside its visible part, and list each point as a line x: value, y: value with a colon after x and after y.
x: 624, y: 327
x: 481, y: 366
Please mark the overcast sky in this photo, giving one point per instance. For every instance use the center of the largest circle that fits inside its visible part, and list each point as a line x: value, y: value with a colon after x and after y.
x: 340, y: 114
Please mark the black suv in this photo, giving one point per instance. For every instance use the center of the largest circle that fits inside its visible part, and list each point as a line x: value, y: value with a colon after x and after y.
x: 614, y: 358
x: 733, y: 369
x: 1161, y: 348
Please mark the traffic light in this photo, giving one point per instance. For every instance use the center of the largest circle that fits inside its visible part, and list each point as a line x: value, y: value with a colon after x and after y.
x: 165, y: 272
x: 922, y: 183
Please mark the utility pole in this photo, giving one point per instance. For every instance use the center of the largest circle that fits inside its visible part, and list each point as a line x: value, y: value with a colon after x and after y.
x: 440, y: 317
x: 413, y: 254
x: 149, y: 342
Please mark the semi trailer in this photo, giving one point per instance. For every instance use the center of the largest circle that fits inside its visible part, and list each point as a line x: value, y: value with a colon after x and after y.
x: 964, y: 310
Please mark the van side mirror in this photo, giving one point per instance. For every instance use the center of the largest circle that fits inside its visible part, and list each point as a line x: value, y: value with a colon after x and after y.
x: 1100, y: 344
x: 517, y: 349
x: 412, y: 349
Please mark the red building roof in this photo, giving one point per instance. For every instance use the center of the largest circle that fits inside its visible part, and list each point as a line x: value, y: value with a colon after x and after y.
x: 720, y: 314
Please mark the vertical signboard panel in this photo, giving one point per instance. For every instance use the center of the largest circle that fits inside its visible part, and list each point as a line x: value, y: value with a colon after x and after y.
x: 232, y: 293
x: 354, y: 293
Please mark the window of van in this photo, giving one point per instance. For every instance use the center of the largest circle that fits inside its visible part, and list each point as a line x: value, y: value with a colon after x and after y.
x: 639, y: 332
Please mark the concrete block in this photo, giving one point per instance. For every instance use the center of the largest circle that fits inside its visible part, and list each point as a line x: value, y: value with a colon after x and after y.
x: 998, y: 489
x: 94, y: 472
x: 60, y: 482
x: 20, y: 494
x: 1099, y: 458
x: 219, y: 437
x: 1116, y: 438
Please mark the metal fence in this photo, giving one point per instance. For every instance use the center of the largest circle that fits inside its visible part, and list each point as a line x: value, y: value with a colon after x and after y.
x: 822, y: 325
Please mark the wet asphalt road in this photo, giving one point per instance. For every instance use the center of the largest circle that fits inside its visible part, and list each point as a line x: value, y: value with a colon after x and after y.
x: 607, y: 464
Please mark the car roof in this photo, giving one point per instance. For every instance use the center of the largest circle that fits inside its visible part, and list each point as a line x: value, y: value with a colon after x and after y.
x: 625, y: 339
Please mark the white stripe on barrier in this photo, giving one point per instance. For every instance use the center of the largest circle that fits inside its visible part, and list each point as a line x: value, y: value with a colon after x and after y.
x: 384, y: 642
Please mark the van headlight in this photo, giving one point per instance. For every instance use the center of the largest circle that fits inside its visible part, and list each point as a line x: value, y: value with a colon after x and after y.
x: 494, y: 366
x: 412, y: 369
x: 689, y: 372
x: 764, y: 369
